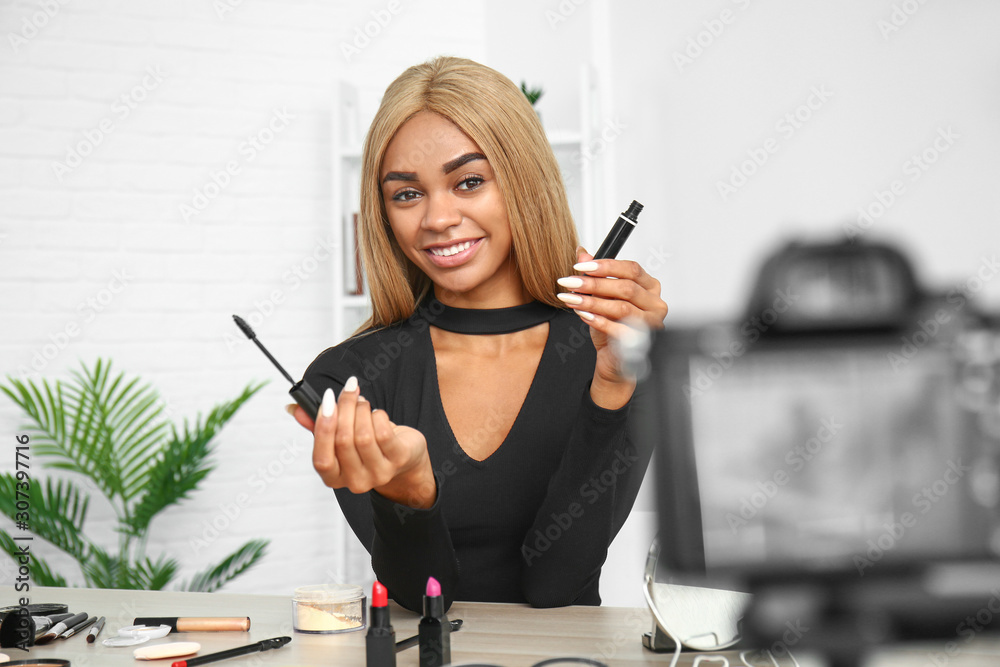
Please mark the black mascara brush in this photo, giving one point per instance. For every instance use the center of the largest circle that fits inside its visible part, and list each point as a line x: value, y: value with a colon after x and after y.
x: 303, y: 394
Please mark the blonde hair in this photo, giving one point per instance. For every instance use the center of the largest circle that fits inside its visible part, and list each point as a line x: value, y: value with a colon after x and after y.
x: 496, y: 115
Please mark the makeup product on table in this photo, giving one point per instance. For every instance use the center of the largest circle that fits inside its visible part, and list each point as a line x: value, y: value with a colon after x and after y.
x: 265, y: 645
x: 404, y: 644
x: 131, y: 635
x: 171, y: 650
x: 623, y: 226
x: 78, y: 627
x: 328, y: 609
x: 199, y: 624
x: 96, y: 630
x: 21, y: 626
x: 38, y: 662
x: 61, y: 627
x: 380, y: 643
x: 434, y: 630
x: 303, y: 394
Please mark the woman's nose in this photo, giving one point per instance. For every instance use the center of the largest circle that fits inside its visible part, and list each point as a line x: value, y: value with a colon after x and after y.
x: 442, y: 213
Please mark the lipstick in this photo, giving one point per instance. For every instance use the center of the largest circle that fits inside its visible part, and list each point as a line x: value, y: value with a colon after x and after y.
x: 434, y: 630
x: 380, y: 643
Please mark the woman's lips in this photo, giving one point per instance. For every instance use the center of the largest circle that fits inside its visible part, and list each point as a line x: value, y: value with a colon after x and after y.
x: 456, y: 259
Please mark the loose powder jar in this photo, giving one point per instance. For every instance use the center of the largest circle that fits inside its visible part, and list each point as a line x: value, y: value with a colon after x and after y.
x: 328, y: 609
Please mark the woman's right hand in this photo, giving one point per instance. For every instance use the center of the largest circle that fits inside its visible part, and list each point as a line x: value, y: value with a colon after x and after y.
x: 363, y: 450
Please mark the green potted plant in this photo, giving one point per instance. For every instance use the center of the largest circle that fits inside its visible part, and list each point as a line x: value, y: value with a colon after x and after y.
x: 110, y: 430
x: 533, y: 94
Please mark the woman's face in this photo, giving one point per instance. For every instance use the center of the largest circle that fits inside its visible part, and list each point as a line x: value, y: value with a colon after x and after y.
x: 448, y: 215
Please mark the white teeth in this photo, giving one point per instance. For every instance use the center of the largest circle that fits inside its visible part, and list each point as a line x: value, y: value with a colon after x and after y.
x: 452, y: 250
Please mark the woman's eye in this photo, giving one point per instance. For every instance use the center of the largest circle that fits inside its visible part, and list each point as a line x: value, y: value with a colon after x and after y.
x: 470, y: 183
x: 405, y: 195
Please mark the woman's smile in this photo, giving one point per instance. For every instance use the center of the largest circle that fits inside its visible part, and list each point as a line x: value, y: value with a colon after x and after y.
x: 455, y: 254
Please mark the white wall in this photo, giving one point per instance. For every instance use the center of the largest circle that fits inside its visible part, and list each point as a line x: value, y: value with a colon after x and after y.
x: 897, y: 72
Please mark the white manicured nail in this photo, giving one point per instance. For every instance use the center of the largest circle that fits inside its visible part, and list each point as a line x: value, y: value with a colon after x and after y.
x: 585, y: 315
x: 585, y: 266
x: 351, y: 384
x: 572, y: 282
x: 362, y: 399
x: 566, y: 297
x: 329, y: 403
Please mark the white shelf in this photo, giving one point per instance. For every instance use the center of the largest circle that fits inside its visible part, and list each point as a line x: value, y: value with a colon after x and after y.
x: 564, y: 138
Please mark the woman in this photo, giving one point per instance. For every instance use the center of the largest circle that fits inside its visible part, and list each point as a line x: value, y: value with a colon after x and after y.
x: 481, y: 431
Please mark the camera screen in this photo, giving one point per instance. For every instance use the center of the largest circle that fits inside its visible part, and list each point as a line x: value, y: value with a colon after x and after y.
x: 832, y: 457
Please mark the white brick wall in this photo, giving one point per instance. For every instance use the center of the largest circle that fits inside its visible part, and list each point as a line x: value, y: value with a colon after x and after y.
x: 61, y: 242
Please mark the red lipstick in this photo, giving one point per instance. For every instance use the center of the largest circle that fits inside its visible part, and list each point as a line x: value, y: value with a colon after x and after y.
x: 380, y: 643
x: 434, y: 629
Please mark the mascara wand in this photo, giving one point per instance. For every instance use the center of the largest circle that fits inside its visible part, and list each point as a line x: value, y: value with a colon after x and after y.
x: 303, y: 394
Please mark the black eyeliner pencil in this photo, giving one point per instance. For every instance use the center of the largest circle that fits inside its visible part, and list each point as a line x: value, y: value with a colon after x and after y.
x: 265, y: 645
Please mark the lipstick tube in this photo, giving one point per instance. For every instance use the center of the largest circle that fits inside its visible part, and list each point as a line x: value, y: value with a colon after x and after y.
x: 380, y: 642
x: 434, y: 630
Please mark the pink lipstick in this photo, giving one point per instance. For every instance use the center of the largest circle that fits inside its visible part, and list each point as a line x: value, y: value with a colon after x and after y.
x: 434, y: 630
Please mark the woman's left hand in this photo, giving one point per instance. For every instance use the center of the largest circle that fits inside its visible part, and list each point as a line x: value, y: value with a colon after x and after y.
x: 609, y: 294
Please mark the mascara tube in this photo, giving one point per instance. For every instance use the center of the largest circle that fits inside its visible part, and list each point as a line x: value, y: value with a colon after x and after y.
x: 623, y: 226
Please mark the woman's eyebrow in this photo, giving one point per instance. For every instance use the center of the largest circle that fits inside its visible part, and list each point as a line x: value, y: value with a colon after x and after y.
x: 400, y: 176
x: 452, y: 165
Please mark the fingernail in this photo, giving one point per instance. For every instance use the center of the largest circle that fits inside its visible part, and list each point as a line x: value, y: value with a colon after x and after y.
x: 362, y: 399
x: 569, y: 298
x: 585, y: 266
x: 329, y: 403
x: 571, y: 282
x: 351, y: 384
x: 290, y: 408
x: 585, y: 315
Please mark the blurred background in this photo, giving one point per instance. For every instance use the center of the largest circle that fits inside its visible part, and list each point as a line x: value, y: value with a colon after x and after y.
x: 164, y: 165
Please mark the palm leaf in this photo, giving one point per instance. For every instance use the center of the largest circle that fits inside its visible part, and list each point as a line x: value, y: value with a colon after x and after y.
x: 58, y: 510
x: 41, y: 573
x: 50, y: 409
x: 102, y: 570
x: 150, y: 576
x: 231, y: 567
x: 182, y: 464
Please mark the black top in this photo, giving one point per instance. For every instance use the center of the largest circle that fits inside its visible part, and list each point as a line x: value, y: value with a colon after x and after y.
x: 530, y: 523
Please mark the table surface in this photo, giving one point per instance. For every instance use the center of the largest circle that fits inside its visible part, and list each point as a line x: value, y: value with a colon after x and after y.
x: 504, y: 634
